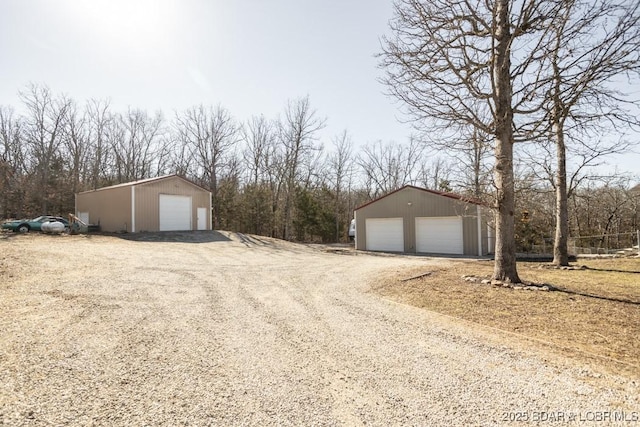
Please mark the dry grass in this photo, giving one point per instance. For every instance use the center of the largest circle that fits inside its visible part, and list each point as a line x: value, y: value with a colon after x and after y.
x: 597, y: 319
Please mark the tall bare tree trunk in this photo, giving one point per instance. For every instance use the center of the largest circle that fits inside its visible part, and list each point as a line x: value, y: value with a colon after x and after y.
x: 505, y: 260
x: 593, y: 43
x: 560, y: 249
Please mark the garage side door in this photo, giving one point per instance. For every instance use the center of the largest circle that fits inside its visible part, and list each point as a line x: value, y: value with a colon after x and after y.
x: 385, y: 234
x: 175, y: 212
x: 439, y: 235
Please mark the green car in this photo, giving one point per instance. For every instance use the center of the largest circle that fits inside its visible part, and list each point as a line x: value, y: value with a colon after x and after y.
x: 26, y: 225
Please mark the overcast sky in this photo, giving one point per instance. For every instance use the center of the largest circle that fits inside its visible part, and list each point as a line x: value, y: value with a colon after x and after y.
x: 250, y: 56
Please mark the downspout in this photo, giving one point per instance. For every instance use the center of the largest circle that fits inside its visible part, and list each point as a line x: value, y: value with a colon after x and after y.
x: 479, y: 211
x: 355, y: 235
x: 210, y: 211
x: 133, y: 209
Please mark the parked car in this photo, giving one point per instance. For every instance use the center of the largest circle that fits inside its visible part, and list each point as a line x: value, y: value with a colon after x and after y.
x: 35, y: 224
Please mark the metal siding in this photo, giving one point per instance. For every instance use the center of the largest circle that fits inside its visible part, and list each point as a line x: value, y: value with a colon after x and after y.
x: 423, y: 204
x: 210, y: 211
x: 392, y: 206
x: 470, y: 234
x: 111, y: 208
x: 486, y: 218
x: 355, y: 237
x: 148, y: 201
x: 488, y: 221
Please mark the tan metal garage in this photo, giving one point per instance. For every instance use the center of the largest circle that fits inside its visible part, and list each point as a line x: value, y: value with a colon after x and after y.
x: 165, y: 203
x: 417, y: 220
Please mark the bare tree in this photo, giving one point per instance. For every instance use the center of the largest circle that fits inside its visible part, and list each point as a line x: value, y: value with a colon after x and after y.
x: 605, y: 212
x: 43, y: 130
x: 341, y: 167
x: 473, y: 163
x: 436, y: 174
x: 98, y: 118
x: 264, y: 161
x: 297, y: 135
x: 259, y: 137
x: 584, y: 162
x: 228, y: 193
x: 275, y: 167
x: 12, y: 164
x: 451, y: 63
x: 210, y: 133
x: 134, y: 140
x: 181, y: 160
x: 387, y: 167
x: 76, y: 145
x: 591, y: 43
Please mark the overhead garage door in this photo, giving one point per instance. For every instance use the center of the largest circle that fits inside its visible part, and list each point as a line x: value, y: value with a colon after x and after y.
x: 385, y: 234
x: 175, y: 212
x: 439, y: 235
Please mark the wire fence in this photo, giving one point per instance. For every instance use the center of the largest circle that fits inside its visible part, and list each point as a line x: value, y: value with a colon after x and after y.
x: 605, y: 243
x: 602, y: 244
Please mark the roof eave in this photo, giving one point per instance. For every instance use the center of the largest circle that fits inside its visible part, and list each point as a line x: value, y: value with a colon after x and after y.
x: 437, y: 193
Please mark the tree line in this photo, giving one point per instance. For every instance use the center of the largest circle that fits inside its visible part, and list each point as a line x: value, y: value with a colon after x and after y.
x: 270, y: 176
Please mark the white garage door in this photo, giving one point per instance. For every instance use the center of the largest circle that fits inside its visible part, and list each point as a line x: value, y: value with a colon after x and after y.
x: 385, y: 234
x: 439, y: 235
x: 175, y: 212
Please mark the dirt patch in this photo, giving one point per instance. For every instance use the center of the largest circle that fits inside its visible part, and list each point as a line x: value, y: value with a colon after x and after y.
x: 594, y: 316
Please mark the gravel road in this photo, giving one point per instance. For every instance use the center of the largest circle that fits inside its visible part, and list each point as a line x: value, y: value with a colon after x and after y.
x: 228, y: 329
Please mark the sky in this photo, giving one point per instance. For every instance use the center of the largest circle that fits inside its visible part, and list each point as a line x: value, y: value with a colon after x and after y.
x: 250, y: 56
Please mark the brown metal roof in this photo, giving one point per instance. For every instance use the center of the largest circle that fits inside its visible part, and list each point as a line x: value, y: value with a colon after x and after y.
x: 438, y: 193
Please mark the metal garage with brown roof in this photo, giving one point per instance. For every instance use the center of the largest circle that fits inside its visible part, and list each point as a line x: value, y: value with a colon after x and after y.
x: 165, y: 203
x: 416, y: 220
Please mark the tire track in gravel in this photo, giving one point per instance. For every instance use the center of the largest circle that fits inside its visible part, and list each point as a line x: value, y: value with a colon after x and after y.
x: 304, y: 332
x: 309, y: 339
x: 279, y: 373
x: 255, y: 331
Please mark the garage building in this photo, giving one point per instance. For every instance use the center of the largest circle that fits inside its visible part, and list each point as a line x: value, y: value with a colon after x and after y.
x: 417, y: 220
x: 165, y: 203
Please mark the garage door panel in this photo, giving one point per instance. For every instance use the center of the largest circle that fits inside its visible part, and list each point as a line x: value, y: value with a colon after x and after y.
x: 175, y: 212
x: 385, y: 234
x: 440, y: 235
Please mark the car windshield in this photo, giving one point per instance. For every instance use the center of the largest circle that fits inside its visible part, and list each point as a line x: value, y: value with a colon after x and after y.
x: 39, y: 219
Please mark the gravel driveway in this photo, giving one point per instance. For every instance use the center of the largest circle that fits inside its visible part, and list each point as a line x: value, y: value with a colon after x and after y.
x: 234, y: 330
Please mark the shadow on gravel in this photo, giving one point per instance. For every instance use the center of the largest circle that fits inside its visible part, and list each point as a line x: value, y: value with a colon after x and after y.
x: 176, y: 236
x: 273, y: 244
x: 248, y: 240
